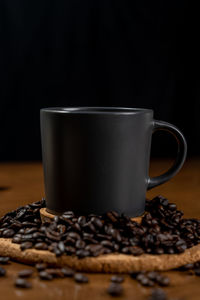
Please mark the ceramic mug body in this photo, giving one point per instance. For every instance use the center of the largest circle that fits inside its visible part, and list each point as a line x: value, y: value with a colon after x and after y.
x: 96, y: 159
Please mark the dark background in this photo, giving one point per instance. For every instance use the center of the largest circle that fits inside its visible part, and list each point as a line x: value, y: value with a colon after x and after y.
x: 97, y: 53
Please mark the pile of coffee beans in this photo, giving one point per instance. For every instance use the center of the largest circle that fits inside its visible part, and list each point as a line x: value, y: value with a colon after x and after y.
x: 162, y: 230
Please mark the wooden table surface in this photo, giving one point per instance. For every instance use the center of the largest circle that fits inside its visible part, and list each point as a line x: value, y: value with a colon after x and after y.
x: 22, y: 183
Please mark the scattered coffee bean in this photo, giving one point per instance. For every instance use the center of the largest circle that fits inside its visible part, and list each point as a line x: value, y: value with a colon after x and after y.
x: 197, y: 272
x: 67, y: 272
x: 152, y: 275
x: 163, y: 280
x: 150, y: 278
x: 115, y: 289
x: 2, y: 272
x: 41, y: 266
x: 22, y: 283
x: 158, y: 294
x: 117, y: 279
x: 144, y: 280
x: 55, y: 272
x: 81, y: 278
x: 25, y: 273
x: 188, y: 267
x: 45, y: 275
x: 4, y: 260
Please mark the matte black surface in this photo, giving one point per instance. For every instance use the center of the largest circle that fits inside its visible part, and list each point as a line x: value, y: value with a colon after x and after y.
x: 96, y: 159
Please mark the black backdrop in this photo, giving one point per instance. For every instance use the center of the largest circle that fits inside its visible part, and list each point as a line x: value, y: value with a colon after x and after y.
x: 102, y: 52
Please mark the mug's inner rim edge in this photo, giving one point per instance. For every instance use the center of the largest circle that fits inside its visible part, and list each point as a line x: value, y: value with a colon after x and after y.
x: 97, y: 109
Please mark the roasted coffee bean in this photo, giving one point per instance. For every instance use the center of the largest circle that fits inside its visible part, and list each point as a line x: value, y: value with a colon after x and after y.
x: 45, y: 275
x: 187, y: 267
x: 152, y: 275
x: 125, y: 250
x: 27, y: 238
x: 67, y: 272
x: 163, y: 280
x: 16, y: 240
x: 4, y: 260
x: 81, y: 253
x: 136, y: 251
x: 116, y: 235
x: 41, y: 266
x: 68, y: 214
x: 116, y: 247
x: 93, y: 248
x: 57, y: 252
x: 23, y: 283
x: 180, y: 246
x: 144, y: 280
x: 70, y: 241
x: 53, y: 237
x: 82, y: 220
x: 134, y: 275
x: 115, y: 289
x: 61, y: 228
x: 2, y: 272
x: 20, y: 214
x: 76, y: 227
x: 26, y: 245
x: 41, y: 246
x: 80, y: 244
x: 100, y: 236
x: 89, y: 226
x: 159, y: 250
x: 56, y: 219
x: 38, y: 235
x: 74, y: 235
x: 111, y: 216
x: 81, y: 278
x: 55, y: 272
x: 61, y: 247
x: 8, y: 233
x: 197, y: 265
x: 30, y: 230
x: 28, y: 224
x: 70, y: 250
x: 107, y: 243
x: 25, y: 273
x: 158, y: 294
x: 104, y: 251
x: 197, y: 272
x: 117, y: 278
x: 170, y: 251
x: 172, y: 206
x: 97, y: 222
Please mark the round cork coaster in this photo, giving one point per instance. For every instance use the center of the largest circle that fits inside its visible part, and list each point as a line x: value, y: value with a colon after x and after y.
x: 107, y: 263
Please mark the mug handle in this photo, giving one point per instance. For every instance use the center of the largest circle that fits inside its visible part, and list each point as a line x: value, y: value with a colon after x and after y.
x: 180, y: 158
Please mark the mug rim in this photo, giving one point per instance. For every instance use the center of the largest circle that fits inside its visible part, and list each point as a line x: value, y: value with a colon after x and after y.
x: 97, y: 110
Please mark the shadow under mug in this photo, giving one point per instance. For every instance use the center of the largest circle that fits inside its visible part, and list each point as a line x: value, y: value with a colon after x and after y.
x: 96, y: 159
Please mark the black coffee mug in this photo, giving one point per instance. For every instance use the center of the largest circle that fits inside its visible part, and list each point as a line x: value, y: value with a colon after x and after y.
x: 96, y: 159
